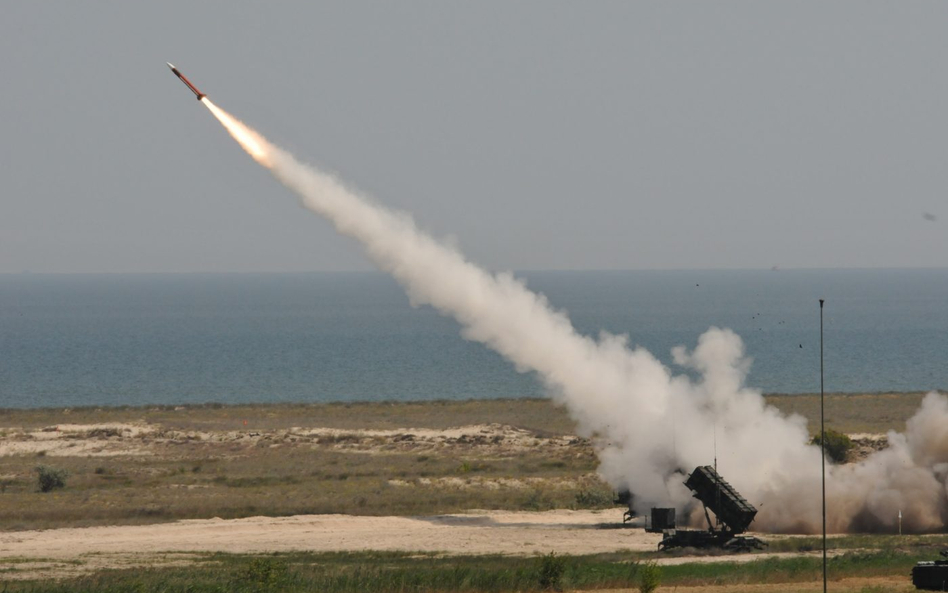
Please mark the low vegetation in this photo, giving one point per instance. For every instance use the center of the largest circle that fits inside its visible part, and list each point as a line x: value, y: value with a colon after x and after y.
x: 924, y: 545
x: 50, y: 478
x: 848, y: 413
x: 375, y: 572
x: 852, y: 412
x: 550, y: 570
x: 837, y: 446
x: 649, y: 577
x: 237, y: 461
x: 245, y: 460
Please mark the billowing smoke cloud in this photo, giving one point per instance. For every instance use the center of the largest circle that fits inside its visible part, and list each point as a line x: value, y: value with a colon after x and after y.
x: 909, y: 476
x: 649, y: 424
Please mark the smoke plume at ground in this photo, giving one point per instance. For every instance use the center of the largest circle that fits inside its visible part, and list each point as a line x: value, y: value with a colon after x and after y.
x: 650, y: 426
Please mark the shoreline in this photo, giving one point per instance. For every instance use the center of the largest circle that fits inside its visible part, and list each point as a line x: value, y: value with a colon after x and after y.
x: 213, y: 404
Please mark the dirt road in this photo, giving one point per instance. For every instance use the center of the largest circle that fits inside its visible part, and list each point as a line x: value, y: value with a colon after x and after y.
x: 565, y: 532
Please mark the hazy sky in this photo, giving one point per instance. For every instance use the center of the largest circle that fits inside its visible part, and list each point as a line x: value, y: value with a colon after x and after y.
x: 537, y: 135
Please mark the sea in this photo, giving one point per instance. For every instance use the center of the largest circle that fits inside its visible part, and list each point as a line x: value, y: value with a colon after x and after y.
x: 145, y: 339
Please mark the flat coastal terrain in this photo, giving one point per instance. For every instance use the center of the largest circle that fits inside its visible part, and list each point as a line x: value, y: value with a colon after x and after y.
x: 212, y: 489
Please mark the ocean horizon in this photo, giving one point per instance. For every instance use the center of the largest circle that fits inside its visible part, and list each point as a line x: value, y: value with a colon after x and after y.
x: 143, y: 339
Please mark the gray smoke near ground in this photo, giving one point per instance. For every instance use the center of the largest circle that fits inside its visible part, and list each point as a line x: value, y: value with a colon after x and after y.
x: 909, y: 476
x: 648, y: 424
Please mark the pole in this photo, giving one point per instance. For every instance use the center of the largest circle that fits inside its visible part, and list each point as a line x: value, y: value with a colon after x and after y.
x: 823, y: 445
x: 716, y: 476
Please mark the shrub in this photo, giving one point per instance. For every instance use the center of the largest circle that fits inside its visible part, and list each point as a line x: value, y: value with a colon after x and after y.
x: 264, y: 572
x: 50, y: 478
x: 594, y: 498
x: 550, y: 571
x: 103, y: 433
x: 837, y: 446
x: 649, y: 577
x: 538, y: 500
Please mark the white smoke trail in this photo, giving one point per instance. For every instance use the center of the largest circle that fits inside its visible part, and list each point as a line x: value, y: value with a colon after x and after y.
x: 632, y: 405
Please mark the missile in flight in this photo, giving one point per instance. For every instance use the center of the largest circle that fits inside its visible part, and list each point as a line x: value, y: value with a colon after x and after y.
x: 187, y: 82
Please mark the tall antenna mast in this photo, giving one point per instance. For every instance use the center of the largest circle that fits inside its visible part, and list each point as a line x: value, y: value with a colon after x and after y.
x: 823, y: 445
x: 716, y: 475
x: 715, y: 445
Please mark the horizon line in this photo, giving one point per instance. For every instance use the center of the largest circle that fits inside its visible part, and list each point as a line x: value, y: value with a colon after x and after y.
x: 775, y: 269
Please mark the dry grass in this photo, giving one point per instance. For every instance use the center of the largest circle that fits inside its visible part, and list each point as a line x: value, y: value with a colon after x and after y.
x: 870, y: 412
x: 284, y: 472
x: 236, y: 461
x: 431, y: 573
x: 853, y: 413
x: 534, y: 414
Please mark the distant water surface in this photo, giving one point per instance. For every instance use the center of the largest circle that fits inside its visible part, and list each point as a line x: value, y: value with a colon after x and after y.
x: 70, y: 340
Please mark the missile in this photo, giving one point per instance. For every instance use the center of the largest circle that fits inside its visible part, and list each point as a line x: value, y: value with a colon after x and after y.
x: 187, y: 82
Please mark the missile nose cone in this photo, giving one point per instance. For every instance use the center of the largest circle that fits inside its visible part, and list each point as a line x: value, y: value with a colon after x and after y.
x: 170, y: 65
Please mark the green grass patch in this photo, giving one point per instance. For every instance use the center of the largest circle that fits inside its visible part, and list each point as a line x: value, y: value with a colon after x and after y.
x: 371, y: 572
x: 916, y: 544
x: 790, y: 570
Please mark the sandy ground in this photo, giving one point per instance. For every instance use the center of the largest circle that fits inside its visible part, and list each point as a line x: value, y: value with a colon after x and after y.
x: 71, y: 552
x: 67, y: 552
x: 108, y: 440
x: 131, y: 439
x: 77, y: 440
x: 565, y: 532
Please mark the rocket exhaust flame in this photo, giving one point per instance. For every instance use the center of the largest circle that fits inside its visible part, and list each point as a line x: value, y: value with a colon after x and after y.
x: 252, y: 142
x: 629, y: 402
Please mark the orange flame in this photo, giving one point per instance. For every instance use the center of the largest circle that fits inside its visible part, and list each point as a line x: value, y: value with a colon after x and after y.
x: 249, y: 140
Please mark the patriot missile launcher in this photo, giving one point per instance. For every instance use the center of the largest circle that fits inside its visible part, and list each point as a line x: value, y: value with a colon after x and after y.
x: 734, y: 516
x: 931, y: 575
